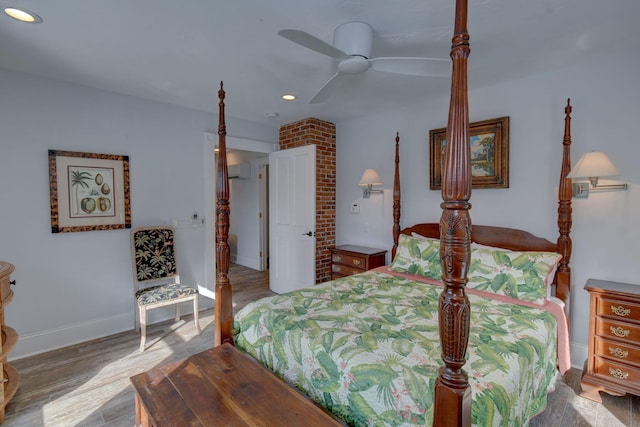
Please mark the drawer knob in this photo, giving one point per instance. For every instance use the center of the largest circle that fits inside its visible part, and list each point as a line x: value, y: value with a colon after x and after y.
x: 618, y: 373
x: 337, y: 258
x: 336, y: 268
x: 620, y: 332
x: 356, y: 262
x: 618, y: 352
x: 620, y: 310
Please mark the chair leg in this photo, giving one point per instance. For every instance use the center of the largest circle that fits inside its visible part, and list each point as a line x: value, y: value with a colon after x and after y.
x: 195, y: 313
x: 143, y: 327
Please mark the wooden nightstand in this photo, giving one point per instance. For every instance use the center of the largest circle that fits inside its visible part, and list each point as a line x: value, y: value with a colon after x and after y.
x: 613, y: 364
x: 350, y: 259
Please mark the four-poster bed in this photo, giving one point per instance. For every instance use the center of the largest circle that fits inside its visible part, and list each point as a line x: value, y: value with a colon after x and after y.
x: 430, y: 390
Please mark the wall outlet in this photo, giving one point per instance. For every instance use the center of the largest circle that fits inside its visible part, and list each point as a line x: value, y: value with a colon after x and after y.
x: 355, y: 207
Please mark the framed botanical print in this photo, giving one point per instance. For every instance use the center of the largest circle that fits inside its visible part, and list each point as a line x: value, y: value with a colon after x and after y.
x: 88, y: 191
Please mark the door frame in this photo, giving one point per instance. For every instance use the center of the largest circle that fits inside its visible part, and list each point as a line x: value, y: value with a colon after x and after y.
x: 210, y: 177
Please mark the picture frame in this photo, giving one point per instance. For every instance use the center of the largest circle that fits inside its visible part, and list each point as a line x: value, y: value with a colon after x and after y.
x: 88, y: 191
x: 489, y: 154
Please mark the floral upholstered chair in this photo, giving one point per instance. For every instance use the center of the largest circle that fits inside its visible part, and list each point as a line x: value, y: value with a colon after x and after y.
x: 156, y: 280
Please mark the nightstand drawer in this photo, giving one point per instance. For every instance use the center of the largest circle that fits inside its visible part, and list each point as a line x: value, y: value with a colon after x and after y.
x: 617, y: 371
x: 617, y: 330
x: 358, y: 262
x: 344, y: 270
x: 616, y: 309
x: 618, y: 351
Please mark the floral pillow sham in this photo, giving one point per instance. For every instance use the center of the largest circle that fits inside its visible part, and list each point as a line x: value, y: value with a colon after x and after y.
x: 524, y: 275
x: 419, y: 256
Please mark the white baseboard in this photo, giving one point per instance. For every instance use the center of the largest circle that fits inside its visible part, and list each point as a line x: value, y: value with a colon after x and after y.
x: 52, y: 339
x: 579, y: 353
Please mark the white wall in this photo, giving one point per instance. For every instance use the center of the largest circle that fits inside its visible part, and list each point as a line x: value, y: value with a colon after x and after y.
x: 606, y: 234
x: 77, y: 286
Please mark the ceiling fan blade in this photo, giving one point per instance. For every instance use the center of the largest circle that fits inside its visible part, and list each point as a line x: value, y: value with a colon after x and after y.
x: 429, y: 67
x: 307, y: 40
x: 325, y: 91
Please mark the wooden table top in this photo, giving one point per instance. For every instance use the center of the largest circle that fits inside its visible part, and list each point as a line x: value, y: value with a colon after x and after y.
x: 223, y: 387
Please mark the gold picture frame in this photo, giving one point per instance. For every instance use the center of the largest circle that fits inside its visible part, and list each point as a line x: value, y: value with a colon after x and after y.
x: 489, y: 154
x: 88, y: 191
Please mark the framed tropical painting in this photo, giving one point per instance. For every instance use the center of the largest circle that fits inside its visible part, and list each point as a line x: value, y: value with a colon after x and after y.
x: 88, y: 191
x: 489, y: 141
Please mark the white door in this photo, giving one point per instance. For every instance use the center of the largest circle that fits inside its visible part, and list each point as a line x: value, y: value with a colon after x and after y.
x: 292, y: 218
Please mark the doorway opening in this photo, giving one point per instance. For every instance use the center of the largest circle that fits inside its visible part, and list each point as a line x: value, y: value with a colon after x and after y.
x: 260, y: 151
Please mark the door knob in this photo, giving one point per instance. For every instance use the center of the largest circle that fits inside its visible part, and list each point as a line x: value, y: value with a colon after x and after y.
x: 308, y: 233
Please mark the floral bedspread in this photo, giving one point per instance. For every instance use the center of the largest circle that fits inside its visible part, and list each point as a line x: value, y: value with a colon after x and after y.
x: 366, y: 347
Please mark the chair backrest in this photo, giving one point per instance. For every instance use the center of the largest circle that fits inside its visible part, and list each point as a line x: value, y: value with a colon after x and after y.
x: 153, y: 254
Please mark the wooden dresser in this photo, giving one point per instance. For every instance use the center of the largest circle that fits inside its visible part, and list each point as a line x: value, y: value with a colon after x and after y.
x: 350, y: 259
x: 613, y: 365
x: 10, y: 377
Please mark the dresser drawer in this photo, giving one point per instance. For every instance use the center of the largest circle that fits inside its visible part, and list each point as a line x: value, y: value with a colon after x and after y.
x: 616, y: 309
x: 617, y: 330
x: 354, y: 261
x: 617, y: 371
x: 618, y: 351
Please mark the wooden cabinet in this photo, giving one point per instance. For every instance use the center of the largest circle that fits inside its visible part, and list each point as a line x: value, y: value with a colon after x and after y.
x: 613, y: 365
x: 10, y: 377
x: 350, y: 259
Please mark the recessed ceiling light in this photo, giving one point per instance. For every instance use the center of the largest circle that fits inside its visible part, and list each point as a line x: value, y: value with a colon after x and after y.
x: 22, y: 14
x: 288, y: 97
x: 272, y: 114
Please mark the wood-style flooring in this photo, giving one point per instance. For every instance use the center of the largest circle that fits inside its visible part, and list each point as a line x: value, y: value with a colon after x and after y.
x: 88, y: 384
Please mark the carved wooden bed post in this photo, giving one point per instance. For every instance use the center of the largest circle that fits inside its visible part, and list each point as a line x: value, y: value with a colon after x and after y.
x: 223, y: 329
x: 565, y: 193
x: 452, y: 406
x: 396, y: 199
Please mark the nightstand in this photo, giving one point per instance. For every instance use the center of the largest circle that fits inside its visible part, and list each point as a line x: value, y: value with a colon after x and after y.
x: 350, y: 259
x: 613, y: 365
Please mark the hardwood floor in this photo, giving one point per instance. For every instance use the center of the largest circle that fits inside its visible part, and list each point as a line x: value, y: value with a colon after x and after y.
x: 88, y: 384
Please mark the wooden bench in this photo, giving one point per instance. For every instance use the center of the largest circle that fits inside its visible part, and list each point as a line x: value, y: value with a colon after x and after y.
x: 221, y: 387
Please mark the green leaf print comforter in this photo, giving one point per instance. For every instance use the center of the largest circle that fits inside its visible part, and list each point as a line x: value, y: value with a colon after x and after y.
x: 366, y: 347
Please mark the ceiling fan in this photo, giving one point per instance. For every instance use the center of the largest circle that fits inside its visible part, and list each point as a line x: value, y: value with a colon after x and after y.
x: 352, y: 43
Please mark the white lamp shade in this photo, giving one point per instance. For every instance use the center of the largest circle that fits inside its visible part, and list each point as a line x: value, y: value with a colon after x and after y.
x: 370, y: 177
x: 593, y: 164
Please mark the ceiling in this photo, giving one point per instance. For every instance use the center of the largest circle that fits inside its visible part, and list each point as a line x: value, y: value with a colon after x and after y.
x: 177, y: 52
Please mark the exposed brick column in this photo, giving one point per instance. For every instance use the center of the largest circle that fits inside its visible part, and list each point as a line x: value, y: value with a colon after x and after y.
x: 323, y: 135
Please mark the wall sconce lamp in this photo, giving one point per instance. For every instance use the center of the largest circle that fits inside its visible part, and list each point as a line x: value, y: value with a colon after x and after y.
x: 593, y: 165
x: 370, y: 178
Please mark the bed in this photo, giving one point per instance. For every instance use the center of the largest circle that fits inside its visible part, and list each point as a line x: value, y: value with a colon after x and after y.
x: 466, y: 326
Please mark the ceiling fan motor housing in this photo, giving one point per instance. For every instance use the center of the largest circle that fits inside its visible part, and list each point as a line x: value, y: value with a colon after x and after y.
x: 354, y: 38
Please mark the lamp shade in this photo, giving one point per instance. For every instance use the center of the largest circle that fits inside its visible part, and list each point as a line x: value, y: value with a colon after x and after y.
x: 370, y: 177
x: 593, y: 164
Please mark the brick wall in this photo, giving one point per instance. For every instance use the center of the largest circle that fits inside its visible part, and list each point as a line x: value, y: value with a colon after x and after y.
x: 323, y: 135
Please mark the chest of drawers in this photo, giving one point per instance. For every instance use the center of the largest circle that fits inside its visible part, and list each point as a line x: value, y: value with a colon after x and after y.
x: 351, y: 259
x: 613, y: 364
x: 10, y: 378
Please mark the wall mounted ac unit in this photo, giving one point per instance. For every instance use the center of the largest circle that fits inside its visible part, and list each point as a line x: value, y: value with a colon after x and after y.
x: 240, y: 170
